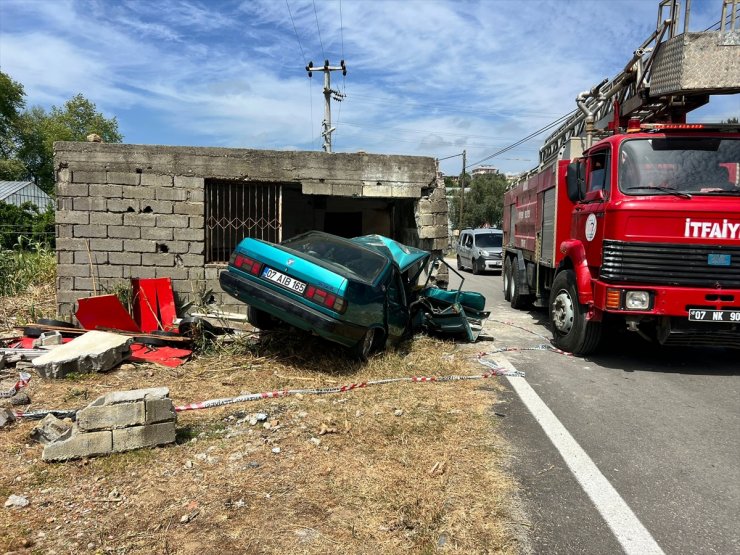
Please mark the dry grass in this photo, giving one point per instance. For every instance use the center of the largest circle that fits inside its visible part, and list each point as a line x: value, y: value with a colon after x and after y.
x: 37, y: 301
x: 405, y: 467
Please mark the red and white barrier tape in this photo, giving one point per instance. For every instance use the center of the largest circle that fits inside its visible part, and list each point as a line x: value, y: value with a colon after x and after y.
x: 495, y: 371
x: 541, y: 347
x: 23, y: 379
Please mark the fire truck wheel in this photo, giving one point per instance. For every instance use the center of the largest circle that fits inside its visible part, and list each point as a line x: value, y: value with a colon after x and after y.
x: 517, y: 300
x: 459, y: 263
x: 476, y: 267
x: 570, y: 329
x: 506, y: 278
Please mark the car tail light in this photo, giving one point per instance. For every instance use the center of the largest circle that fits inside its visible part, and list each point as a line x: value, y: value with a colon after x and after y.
x: 247, y: 264
x: 319, y: 296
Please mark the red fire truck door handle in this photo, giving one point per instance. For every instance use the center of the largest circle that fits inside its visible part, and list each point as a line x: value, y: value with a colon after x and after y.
x: 578, y: 208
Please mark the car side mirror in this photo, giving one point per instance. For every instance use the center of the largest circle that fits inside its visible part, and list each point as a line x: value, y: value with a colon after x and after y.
x: 575, y: 182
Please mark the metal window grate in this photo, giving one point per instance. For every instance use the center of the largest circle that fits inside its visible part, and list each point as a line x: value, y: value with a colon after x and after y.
x: 235, y: 210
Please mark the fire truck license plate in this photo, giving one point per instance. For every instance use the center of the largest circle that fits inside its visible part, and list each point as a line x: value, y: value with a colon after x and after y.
x: 696, y: 315
x: 286, y: 281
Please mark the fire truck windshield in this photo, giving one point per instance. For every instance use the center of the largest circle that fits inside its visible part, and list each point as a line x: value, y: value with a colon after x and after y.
x: 684, y: 165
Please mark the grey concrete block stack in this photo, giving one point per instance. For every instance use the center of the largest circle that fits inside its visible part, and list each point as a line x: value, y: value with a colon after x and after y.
x: 116, y: 422
x: 117, y: 225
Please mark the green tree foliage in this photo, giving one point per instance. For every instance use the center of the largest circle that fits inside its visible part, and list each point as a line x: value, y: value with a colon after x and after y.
x: 484, y: 202
x: 27, y: 222
x: 27, y: 136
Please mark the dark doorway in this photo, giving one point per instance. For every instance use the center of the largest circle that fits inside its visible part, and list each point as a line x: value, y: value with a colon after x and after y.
x: 344, y: 224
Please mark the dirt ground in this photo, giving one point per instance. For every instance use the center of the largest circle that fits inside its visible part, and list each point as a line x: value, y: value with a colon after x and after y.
x: 404, y: 467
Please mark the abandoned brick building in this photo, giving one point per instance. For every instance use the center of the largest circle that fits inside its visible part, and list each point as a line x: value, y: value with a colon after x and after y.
x: 149, y: 211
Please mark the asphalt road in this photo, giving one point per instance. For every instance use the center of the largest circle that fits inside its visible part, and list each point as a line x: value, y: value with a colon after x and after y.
x: 662, y: 426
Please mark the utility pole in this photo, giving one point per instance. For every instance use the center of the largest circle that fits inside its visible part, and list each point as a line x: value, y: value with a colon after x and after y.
x: 462, y: 191
x: 326, y: 127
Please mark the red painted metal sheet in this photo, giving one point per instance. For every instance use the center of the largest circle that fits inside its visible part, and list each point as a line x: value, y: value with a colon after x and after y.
x: 104, y: 311
x: 154, y: 303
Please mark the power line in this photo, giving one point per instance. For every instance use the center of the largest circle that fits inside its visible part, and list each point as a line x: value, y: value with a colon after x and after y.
x: 296, y: 32
x: 527, y: 138
x: 318, y: 29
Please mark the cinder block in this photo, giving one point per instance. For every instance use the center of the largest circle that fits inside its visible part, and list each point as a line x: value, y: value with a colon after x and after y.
x: 108, y: 417
x: 186, y: 234
x: 65, y: 231
x: 172, y: 220
x: 316, y: 188
x: 78, y: 446
x: 156, y: 180
x: 106, y: 218
x: 157, y: 206
x: 69, y: 244
x: 108, y: 245
x: 125, y: 231
x: 190, y: 208
x: 172, y: 194
x: 212, y: 271
x: 92, y: 257
x: 433, y: 232
x: 441, y: 219
x: 109, y: 271
x: 72, y: 189
x: 157, y: 233
x: 137, y: 191
x: 139, y: 245
x: 160, y: 410
x: 191, y: 260
x: 65, y: 257
x: 106, y: 191
x: 65, y: 203
x: 178, y: 247
x: 86, y: 284
x: 124, y: 178
x: 130, y: 206
x: 188, y: 182
x: 197, y: 222
x: 132, y: 396
x: 196, y: 195
x: 90, y: 204
x: 196, y: 273
x: 139, y: 272
x: 65, y: 283
x: 425, y: 219
x: 144, y: 220
x: 64, y: 175
x: 125, y: 258
x: 71, y: 217
x: 173, y: 272
x: 88, y: 177
x: 440, y: 243
x: 71, y: 297
x: 158, y: 259
x: 196, y: 248
x: 137, y: 437
x: 90, y: 231
x: 73, y: 270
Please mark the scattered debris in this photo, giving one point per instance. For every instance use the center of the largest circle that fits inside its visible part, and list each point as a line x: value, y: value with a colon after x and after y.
x: 95, y: 351
x: 50, y: 429
x: 119, y: 421
x: 48, y: 339
x: 20, y: 399
x: 104, y: 312
x: 154, y: 304
x: 17, y: 502
x: 6, y: 417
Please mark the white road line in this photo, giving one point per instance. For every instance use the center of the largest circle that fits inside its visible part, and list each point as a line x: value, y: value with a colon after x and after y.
x: 629, y: 531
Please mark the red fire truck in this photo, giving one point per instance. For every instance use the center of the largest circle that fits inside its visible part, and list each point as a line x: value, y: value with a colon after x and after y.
x: 632, y: 217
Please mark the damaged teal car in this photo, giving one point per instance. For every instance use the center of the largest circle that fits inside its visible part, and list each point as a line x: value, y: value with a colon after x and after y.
x: 363, y: 293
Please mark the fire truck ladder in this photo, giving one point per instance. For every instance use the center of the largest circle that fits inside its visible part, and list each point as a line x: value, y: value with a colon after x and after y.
x: 669, y: 75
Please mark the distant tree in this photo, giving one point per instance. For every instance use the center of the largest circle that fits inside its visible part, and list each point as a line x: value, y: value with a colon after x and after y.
x: 483, y: 202
x: 27, y: 136
x: 731, y: 120
x: 25, y: 221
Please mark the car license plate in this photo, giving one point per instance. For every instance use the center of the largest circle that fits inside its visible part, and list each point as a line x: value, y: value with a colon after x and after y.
x: 697, y: 315
x: 286, y: 281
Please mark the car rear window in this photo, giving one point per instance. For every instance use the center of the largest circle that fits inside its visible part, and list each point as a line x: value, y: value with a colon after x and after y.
x: 489, y: 240
x: 342, y: 256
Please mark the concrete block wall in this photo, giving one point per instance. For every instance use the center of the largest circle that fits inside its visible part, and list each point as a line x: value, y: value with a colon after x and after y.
x: 128, y: 211
x: 116, y: 422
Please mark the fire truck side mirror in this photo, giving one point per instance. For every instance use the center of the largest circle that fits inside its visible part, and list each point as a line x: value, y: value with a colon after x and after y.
x: 575, y: 181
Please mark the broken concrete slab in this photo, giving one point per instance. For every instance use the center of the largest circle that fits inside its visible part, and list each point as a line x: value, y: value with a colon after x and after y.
x: 51, y: 429
x: 118, y: 421
x: 95, y: 351
x: 7, y: 417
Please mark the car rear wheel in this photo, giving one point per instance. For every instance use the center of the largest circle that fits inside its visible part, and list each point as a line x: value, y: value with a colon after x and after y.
x: 364, y: 346
x: 260, y: 319
x: 571, y: 330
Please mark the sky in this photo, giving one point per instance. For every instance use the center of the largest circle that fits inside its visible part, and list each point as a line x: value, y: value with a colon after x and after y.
x: 424, y: 77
